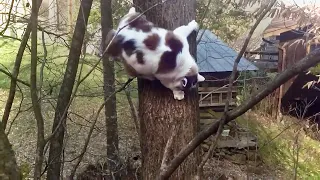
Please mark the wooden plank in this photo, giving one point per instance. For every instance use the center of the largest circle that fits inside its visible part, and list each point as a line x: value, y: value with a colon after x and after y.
x: 216, y: 104
x: 261, y: 53
x: 216, y: 89
x: 263, y: 60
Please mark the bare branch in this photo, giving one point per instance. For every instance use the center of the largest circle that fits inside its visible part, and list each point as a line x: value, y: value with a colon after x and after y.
x: 9, y: 16
x: 84, y: 149
x: 15, y: 72
x: 14, y: 78
x: 310, y: 60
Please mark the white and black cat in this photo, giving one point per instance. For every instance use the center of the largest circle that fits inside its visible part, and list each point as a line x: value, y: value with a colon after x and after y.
x: 155, y: 53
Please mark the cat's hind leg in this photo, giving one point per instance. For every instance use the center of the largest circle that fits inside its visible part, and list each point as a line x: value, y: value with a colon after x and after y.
x: 186, y: 30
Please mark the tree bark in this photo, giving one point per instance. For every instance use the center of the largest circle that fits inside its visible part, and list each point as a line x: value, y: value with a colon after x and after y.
x: 56, y: 143
x: 109, y: 89
x: 8, y: 166
x: 34, y: 92
x: 161, y: 116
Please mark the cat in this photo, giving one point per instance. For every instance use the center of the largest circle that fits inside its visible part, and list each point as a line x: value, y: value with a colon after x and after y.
x: 152, y: 52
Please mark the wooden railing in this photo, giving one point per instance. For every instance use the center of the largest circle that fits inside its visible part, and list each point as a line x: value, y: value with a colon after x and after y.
x: 215, y: 96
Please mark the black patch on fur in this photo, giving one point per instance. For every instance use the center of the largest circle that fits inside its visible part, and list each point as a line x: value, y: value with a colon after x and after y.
x: 152, y: 41
x: 167, y: 62
x: 173, y: 42
x: 139, y: 22
x: 140, y: 57
x: 115, y: 47
x: 129, y: 47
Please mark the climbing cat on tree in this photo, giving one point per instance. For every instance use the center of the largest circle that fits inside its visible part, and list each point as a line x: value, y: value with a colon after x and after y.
x: 151, y: 52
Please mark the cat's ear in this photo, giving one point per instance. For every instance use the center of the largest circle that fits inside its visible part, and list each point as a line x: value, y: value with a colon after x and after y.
x: 200, y: 78
x: 132, y: 10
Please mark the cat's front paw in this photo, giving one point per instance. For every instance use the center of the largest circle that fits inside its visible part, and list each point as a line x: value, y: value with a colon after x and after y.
x: 178, y: 95
x: 194, y: 25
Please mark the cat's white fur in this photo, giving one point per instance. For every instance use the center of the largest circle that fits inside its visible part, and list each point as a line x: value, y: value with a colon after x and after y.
x: 184, y: 61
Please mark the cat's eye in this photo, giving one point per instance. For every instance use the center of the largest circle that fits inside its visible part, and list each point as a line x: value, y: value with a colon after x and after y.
x: 184, y: 82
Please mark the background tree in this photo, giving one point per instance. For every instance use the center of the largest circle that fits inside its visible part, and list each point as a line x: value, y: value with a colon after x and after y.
x: 227, y: 19
x: 8, y: 166
x: 84, y: 139
x: 59, y: 123
x: 109, y: 89
x: 165, y: 123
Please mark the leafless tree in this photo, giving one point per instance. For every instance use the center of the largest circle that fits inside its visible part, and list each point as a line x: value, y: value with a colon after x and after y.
x: 109, y: 88
x: 59, y: 124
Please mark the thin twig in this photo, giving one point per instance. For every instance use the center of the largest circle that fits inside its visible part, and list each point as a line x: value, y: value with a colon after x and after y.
x: 231, y: 82
x: 84, y: 149
x: 14, y: 78
x: 92, y: 69
x: 9, y: 16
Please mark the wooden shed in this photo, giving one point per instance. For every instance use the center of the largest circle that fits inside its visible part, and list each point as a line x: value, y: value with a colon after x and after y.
x: 215, y: 60
x: 288, y: 43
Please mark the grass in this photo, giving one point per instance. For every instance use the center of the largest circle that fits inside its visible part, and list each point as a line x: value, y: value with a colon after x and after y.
x: 90, y: 97
x: 278, y: 145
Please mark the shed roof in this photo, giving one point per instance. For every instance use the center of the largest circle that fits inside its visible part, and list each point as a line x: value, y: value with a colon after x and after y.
x: 213, y: 55
x: 280, y: 24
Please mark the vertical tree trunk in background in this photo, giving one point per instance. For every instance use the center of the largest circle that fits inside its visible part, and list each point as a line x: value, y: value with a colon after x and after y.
x: 158, y: 110
x: 39, y: 156
x: 70, y: 15
x: 15, y: 73
x: 62, y: 14
x: 109, y: 88
x: 56, y: 143
x: 8, y: 166
x: 52, y: 13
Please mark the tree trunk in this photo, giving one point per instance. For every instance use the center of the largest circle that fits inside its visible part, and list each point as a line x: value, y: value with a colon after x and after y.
x: 34, y: 93
x: 8, y: 166
x: 15, y: 73
x: 56, y: 143
x: 109, y: 88
x: 159, y: 112
x: 62, y: 14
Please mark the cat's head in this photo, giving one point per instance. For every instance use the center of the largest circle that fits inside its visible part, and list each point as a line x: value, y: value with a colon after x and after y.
x: 191, y: 79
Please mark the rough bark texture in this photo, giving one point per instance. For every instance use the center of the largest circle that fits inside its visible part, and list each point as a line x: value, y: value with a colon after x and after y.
x: 109, y: 80
x: 56, y: 143
x: 159, y: 112
x: 8, y: 166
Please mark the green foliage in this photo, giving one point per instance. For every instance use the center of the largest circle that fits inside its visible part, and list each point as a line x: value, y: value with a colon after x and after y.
x: 25, y: 169
x: 227, y: 19
x: 278, y: 149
